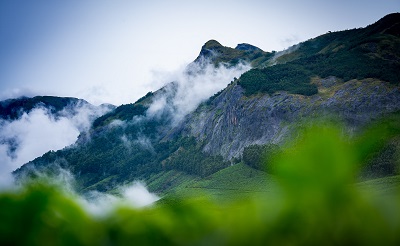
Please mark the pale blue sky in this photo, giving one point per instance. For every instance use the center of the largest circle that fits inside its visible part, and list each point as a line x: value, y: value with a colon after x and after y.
x: 110, y: 51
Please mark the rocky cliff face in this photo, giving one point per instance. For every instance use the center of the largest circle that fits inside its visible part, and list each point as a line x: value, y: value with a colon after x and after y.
x: 231, y: 121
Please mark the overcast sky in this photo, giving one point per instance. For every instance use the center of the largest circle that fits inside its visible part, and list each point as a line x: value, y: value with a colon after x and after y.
x: 116, y: 51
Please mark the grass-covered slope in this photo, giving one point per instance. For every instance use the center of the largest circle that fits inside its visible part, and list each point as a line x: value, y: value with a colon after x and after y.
x: 238, y: 177
x: 233, y: 183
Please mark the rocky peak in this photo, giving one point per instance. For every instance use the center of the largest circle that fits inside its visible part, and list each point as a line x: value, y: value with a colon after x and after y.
x: 212, y: 51
x: 211, y: 44
x: 247, y: 47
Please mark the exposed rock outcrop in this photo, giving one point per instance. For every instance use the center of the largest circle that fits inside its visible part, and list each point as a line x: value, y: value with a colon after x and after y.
x: 232, y: 121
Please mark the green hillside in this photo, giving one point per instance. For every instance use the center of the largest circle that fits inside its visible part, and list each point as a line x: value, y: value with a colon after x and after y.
x: 371, y: 52
x: 241, y: 182
x: 232, y: 184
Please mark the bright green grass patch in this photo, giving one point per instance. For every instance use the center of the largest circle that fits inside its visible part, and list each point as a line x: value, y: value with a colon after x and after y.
x: 237, y: 177
x: 234, y: 183
x: 168, y: 181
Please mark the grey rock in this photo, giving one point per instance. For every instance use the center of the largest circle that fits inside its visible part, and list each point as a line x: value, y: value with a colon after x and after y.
x: 231, y: 121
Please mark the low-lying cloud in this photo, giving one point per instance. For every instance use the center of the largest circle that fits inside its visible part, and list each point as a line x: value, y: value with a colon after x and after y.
x: 191, y: 86
x: 284, y: 52
x: 181, y: 93
x: 134, y: 195
x: 38, y: 132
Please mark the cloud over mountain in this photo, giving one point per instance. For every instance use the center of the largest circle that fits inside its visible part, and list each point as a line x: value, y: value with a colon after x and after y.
x: 40, y: 130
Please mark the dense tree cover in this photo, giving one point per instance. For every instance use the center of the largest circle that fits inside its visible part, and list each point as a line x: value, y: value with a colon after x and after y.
x: 282, y: 77
x: 371, y: 52
x: 352, y: 65
x: 259, y: 156
x: 147, y: 96
x: 99, y: 159
x: 123, y: 112
x: 383, y: 163
x: 190, y: 158
x: 126, y: 153
x: 315, y: 204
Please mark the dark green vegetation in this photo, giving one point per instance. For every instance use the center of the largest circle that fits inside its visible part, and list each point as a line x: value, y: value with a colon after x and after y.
x: 123, y: 113
x: 371, y: 52
x: 13, y: 108
x: 281, y: 77
x: 258, y: 156
x: 313, y: 203
x: 190, y: 159
x: 134, y: 151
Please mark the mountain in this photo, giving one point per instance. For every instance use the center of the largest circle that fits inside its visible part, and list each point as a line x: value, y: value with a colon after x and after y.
x: 12, y: 109
x: 30, y: 127
x: 216, y: 53
x: 350, y: 76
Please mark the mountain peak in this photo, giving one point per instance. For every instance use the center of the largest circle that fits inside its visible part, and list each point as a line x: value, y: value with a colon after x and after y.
x: 389, y: 24
x: 212, y: 51
x: 212, y: 44
x: 390, y: 18
x: 247, y: 47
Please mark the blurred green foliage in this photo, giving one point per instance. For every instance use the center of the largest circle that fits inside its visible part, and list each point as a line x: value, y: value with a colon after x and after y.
x: 315, y: 203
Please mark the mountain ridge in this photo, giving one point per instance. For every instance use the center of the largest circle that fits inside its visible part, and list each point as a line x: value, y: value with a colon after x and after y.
x: 215, y: 52
x: 127, y: 144
x: 12, y: 109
